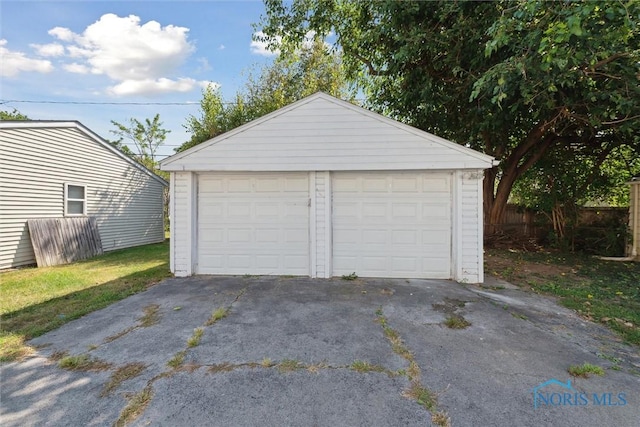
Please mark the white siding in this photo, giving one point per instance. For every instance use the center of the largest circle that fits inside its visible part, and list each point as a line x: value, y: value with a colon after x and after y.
x: 321, y: 133
x: 35, y: 163
x: 471, y: 228
x: 182, y: 199
x: 322, y: 232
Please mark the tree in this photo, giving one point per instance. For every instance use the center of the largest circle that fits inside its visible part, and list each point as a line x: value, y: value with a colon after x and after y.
x: 513, y: 79
x: 146, y: 136
x: 290, y: 77
x: 12, y: 115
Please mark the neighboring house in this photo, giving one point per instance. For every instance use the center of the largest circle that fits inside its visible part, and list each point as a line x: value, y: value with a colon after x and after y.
x: 55, y: 169
x: 634, y: 219
x: 325, y: 188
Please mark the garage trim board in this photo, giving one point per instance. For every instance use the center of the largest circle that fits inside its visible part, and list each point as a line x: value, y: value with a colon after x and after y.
x: 324, y: 188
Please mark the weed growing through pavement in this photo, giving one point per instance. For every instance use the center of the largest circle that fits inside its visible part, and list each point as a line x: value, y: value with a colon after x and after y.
x: 364, y: 366
x: 83, y: 362
x: 222, y: 367
x: 218, y: 314
x: 151, y: 316
x: 456, y: 322
x: 195, y: 338
x: 416, y: 391
x: 289, y: 365
x: 136, y: 406
x: 177, y: 360
x: 266, y: 363
x: 120, y: 375
x: 585, y: 370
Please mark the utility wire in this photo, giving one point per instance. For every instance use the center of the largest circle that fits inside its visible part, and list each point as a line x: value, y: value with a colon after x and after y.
x: 8, y: 101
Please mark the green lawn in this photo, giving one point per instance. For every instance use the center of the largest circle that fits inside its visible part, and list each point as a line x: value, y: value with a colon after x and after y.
x: 36, y: 300
x: 603, y: 291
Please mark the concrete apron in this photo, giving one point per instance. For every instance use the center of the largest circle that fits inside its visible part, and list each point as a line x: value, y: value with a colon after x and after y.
x: 291, y: 350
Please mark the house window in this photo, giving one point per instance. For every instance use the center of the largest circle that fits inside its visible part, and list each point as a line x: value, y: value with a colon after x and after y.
x: 75, y: 202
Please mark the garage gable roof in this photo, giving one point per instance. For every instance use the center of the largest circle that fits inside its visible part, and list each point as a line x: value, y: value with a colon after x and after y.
x: 321, y: 132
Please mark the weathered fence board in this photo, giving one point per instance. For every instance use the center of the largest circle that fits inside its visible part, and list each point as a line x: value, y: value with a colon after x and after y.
x: 63, y: 240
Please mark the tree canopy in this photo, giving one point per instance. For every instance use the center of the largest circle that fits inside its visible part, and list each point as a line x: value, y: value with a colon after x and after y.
x: 12, y: 115
x: 147, y: 136
x: 515, y: 80
x: 292, y: 76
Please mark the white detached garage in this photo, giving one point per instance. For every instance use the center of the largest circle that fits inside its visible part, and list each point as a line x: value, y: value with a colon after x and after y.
x: 325, y: 188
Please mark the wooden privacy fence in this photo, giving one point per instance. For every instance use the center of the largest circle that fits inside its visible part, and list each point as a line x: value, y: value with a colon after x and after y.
x: 63, y: 240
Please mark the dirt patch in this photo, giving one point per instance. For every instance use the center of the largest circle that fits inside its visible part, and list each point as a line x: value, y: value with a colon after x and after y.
x: 521, y: 272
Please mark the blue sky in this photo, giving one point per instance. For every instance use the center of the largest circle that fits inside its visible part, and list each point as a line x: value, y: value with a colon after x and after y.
x: 122, y: 51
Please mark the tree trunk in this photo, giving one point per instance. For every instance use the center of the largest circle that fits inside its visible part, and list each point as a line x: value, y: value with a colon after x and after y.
x: 525, y: 155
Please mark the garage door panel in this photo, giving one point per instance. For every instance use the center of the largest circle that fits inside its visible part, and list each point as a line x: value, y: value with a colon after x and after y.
x: 238, y: 185
x: 405, y: 185
x: 375, y: 185
x: 299, y: 184
x: 392, y: 224
x: 440, y: 184
x: 254, y: 223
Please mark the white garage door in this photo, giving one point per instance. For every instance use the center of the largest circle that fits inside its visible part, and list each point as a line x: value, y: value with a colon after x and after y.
x: 392, y: 224
x: 253, y: 223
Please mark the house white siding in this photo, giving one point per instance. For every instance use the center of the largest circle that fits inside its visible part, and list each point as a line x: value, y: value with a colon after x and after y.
x: 35, y: 165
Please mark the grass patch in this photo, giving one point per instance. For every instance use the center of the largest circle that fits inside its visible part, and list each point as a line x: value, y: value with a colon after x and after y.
x: 585, y: 370
x: 151, y: 316
x: 176, y: 361
x: 266, y: 363
x: 352, y: 276
x: 195, y: 338
x: 363, y: 366
x: 602, y: 291
x: 83, y: 362
x: 422, y: 396
x: 120, y: 375
x: 456, y: 322
x: 136, y: 406
x: 34, y: 301
x: 222, y: 367
x: 289, y: 365
x: 218, y: 314
x: 441, y: 419
x: 314, y: 368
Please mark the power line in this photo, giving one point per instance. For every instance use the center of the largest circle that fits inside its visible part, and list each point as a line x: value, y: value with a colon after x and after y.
x: 24, y: 101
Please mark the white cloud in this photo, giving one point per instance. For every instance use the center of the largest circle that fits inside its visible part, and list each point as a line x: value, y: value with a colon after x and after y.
x: 14, y: 62
x: 204, y: 65
x: 63, y: 34
x: 151, y: 86
x: 221, y: 47
x: 76, y: 68
x: 51, y: 49
x: 260, y: 42
x: 141, y: 58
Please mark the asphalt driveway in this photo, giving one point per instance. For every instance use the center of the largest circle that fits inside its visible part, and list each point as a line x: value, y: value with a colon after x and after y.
x: 307, y: 352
